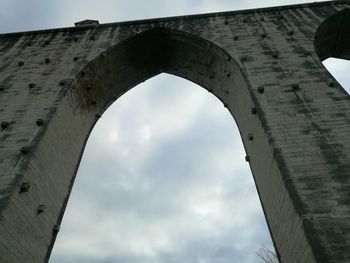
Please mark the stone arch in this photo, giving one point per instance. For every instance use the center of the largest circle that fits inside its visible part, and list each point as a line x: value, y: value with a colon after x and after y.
x: 123, y: 66
x: 332, y: 38
x: 158, y: 51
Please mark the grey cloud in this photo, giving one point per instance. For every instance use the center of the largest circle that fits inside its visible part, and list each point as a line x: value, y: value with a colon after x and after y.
x: 340, y: 69
x: 17, y: 15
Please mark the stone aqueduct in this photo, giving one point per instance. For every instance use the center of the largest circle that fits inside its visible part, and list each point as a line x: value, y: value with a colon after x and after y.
x: 263, y: 64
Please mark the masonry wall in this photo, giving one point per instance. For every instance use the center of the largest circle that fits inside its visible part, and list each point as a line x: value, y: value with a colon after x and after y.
x: 293, y: 117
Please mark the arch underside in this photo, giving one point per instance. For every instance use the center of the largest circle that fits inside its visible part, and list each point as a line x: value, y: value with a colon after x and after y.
x: 332, y: 38
x: 159, y: 51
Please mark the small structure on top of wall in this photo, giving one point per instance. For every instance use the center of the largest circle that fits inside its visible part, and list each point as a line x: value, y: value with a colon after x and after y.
x: 263, y: 64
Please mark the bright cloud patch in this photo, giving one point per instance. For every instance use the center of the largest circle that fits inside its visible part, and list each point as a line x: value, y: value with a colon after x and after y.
x: 340, y: 69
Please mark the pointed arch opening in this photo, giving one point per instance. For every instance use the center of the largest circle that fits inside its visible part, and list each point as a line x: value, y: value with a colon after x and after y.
x: 163, y: 179
x: 141, y: 57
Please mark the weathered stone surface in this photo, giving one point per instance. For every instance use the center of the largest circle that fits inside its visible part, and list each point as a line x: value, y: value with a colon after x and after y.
x: 263, y: 64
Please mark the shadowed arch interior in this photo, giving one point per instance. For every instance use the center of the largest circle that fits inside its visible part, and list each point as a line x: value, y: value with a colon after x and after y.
x: 332, y: 38
x: 153, y: 52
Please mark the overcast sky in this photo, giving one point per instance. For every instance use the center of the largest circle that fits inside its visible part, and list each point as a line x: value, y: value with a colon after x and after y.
x: 163, y: 176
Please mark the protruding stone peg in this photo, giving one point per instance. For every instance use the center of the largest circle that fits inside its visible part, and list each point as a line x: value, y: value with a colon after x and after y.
x: 5, y: 125
x: 247, y: 158
x: 261, y: 90
x: 253, y: 110
x: 56, y: 228
x: 24, y: 187
x: 250, y: 137
x: 295, y: 87
x: 331, y: 84
x: 31, y: 85
x: 24, y: 150
x: 39, y: 122
x: 40, y: 209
